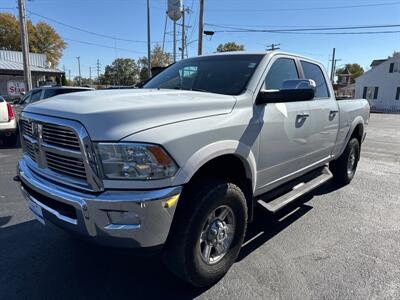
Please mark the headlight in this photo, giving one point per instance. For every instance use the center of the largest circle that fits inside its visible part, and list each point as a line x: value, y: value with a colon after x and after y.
x: 135, y: 161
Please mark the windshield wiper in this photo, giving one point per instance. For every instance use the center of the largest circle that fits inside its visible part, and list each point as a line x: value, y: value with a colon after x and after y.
x: 198, y: 90
x: 192, y: 89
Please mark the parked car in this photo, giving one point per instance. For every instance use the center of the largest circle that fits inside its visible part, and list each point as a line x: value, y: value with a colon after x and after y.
x: 8, y: 125
x: 45, y: 92
x: 180, y: 164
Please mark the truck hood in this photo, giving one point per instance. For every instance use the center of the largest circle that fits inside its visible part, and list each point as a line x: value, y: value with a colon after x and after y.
x: 111, y: 115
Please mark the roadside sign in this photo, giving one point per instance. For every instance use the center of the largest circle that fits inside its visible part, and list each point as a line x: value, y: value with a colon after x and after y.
x: 15, y: 88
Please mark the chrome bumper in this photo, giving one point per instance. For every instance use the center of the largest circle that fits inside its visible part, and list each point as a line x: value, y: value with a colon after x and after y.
x: 114, y: 218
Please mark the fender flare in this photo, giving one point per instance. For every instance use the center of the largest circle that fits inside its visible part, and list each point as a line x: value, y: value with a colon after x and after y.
x: 215, y: 150
x: 357, y: 121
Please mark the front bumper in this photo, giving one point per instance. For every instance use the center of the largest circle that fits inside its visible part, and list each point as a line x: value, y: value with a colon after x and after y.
x: 115, y: 218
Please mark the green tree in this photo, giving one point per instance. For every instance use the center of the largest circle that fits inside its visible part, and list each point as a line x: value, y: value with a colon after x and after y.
x: 230, y: 46
x: 47, y: 41
x: 355, y: 69
x: 42, y: 38
x: 122, y: 71
x: 64, y: 80
x: 158, y: 59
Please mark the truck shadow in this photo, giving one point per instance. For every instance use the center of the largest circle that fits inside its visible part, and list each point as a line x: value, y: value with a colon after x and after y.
x: 3, y: 144
x: 44, y: 262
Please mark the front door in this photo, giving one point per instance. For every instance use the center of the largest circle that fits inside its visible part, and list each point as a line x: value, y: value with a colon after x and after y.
x: 284, y: 137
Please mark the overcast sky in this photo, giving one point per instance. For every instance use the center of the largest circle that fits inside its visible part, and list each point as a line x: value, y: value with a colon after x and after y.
x: 126, y: 19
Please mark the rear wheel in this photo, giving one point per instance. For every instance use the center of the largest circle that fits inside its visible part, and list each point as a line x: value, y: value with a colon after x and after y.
x: 207, y: 233
x: 345, y: 166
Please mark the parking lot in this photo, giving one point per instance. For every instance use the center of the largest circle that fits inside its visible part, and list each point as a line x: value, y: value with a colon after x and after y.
x: 340, y: 243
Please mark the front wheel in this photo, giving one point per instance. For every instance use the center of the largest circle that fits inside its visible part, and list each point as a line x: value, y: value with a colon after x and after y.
x: 345, y: 166
x: 207, y: 233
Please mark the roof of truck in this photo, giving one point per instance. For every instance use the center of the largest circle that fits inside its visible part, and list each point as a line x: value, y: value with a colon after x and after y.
x: 260, y: 53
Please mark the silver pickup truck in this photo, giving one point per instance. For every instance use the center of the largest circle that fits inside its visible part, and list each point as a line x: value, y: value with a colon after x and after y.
x: 180, y: 164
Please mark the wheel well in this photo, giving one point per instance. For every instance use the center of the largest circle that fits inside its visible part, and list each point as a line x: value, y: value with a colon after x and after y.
x: 358, y: 133
x: 231, y: 168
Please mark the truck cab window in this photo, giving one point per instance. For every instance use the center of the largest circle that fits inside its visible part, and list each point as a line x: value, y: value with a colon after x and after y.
x: 281, y: 70
x: 314, y: 72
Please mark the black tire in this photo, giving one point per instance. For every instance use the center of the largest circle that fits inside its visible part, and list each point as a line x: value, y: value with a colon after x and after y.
x: 341, y: 170
x: 11, y: 140
x: 182, y: 253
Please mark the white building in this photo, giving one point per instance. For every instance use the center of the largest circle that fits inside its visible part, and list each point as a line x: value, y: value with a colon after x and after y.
x: 381, y: 85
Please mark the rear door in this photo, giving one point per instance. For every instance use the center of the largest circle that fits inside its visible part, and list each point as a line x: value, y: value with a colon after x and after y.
x: 324, y: 114
x: 284, y: 136
x: 3, y: 111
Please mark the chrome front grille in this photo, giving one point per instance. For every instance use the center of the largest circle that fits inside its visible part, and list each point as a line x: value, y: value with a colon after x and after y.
x: 30, y: 150
x: 26, y: 127
x: 66, y: 165
x: 60, y: 136
x: 54, y: 148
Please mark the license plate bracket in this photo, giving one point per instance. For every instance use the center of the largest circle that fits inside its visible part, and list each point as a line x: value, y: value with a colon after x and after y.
x: 36, y: 210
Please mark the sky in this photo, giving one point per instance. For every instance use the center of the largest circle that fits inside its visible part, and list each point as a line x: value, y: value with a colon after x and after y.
x: 122, y: 20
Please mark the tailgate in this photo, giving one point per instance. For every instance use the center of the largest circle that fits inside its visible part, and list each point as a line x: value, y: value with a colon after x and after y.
x: 3, y: 112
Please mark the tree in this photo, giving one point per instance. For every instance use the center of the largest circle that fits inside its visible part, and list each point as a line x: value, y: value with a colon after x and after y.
x: 42, y: 38
x: 355, y: 70
x: 158, y: 59
x: 47, y: 41
x: 122, y: 71
x: 230, y: 46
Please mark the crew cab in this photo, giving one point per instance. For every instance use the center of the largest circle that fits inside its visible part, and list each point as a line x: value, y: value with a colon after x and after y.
x: 8, y: 125
x: 180, y: 164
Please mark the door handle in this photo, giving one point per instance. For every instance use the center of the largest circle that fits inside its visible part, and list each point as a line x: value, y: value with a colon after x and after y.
x: 303, y: 116
x: 332, y: 114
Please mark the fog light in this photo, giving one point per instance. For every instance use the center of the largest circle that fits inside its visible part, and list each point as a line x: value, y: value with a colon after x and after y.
x: 123, y: 218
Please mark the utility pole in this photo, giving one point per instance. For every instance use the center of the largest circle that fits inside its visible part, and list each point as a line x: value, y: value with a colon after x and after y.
x: 183, y: 32
x: 69, y: 76
x: 98, y: 71
x: 79, y: 70
x: 90, y: 75
x: 25, y: 45
x: 174, y: 41
x: 148, y: 40
x: 273, y: 47
x: 201, y: 13
x: 333, y: 67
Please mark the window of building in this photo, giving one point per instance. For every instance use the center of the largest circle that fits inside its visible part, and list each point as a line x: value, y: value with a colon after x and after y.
x: 314, y: 72
x: 365, y: 92
x: 398, y: 93
x: 391, y: 67
x: 281, y: 70
x: 376, y: 90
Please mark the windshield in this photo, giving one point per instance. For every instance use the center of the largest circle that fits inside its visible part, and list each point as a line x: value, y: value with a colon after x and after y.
x: 220, y: 74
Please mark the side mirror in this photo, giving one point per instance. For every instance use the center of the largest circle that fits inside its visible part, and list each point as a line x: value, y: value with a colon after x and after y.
x: 292, y: 90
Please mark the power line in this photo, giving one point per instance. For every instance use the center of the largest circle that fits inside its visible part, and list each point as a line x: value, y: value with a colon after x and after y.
x: 101, y: 45
x: 309, y: 8
x: 239, y: 29
x: 87, y: 31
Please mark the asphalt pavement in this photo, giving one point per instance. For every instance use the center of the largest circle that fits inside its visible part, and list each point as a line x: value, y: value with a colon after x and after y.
x: 334, y: 243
